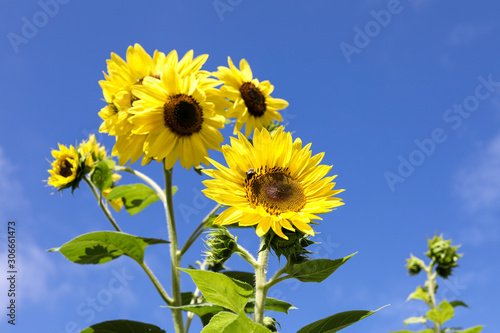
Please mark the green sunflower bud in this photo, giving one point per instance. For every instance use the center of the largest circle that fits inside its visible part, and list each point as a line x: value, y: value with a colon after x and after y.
x: 293, y: 248
x: 414, y: 265
x: 270, y: 323
x: 444, y: 254
x: 220, y: 245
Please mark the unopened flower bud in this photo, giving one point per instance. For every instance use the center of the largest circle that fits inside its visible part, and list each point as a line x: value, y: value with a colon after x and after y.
x: 414, y: 265
x: 221, y: 246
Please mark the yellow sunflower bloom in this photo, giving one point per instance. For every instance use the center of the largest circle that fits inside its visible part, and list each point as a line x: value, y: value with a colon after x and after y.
x: 252, y: 104
x: 64, y: 168
x: 92, y: 151
x: 273, y: 184
x: 178, y: 118
x: 117, y: 89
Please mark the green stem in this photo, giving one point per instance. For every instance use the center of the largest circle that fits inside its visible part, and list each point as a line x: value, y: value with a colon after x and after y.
x: 247, y: 256
x: 260, y: 283
x: 431, y: 287
x: 175, y: 254
x: 276, y: 278
x: 164, y: 295
x: 104, y: 207
x: 197, y: 232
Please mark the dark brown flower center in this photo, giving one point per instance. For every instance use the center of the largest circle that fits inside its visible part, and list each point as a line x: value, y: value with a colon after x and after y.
x: 275, y: 190
x: 65, y: 169
x: 255, y: 100
x: 183, y: 115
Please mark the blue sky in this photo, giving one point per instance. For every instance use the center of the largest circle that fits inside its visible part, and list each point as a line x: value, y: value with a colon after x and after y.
x: 402, y: 96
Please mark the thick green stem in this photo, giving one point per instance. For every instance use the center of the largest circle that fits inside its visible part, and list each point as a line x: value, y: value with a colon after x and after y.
x: 431, y: 289
x: 261, y: 283
x: 175, y: 254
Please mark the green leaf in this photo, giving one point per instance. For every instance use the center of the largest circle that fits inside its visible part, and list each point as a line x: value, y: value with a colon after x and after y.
x: 458, y: 303
x: 419, y: 293
x: 122, y: 326
x: 441, y: 313
x: 316, y: 270
x: 271, y: 304
x: 227, y: 322
x: 103, y: 246
x: 102, y: 176
x: 475, y: 329
x: 415, y: 320
x: 221, y: 290
x: 337, y: 322
x: 246, y: 277
x: 199, y: 309
x: 135, y: 197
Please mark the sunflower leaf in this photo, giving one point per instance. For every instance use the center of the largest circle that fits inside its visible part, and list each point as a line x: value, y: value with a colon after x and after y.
x: 337, y: 322
x: 103, y: 246
x: 227, y: 322
x: 272, y: 304
x: 441, y: 313
x: 221, y: 290
x: 122, y: 326
x: 102, y: 176
x: 475, y: 329
x: 135, y: 197
x: 316, y: 270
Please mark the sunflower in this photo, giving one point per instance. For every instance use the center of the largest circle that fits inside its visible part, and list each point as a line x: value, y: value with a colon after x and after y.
x: 117, y: 89
x: 91, y: 151
x: 252, y: 102
x: 274, y: 184
x: 178, y: 118
x: 64, y: 167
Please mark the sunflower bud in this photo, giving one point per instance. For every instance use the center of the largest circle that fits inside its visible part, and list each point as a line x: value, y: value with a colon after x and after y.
x: 221, y: 245
x: 414, y: 265
x: 292, y: 248
x: 270, y: 323
x: 444, y: 255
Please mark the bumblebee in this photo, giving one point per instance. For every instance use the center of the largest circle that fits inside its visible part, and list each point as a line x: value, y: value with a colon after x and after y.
x: 250, y: 173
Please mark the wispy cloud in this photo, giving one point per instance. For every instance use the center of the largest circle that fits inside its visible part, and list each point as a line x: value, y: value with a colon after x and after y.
x: 465, y: 35
x: 11, y: 191
x: 478, y: 186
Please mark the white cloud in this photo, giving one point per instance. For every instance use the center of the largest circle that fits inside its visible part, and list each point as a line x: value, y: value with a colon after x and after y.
x: 477, y: 184
x: 464, y: 35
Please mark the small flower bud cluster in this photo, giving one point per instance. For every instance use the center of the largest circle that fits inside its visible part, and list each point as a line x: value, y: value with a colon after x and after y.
x: 221, y: 245
x: 443, y: 254
x: 414, y: 265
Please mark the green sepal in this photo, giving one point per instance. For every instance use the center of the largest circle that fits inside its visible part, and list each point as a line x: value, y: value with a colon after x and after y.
x: 441, y: 313
x: 103, y: 246
x: 316, y: 270
x: 337, y: 322
x: 221, y: 290
x: 123, y: 326
x: 135, y: 197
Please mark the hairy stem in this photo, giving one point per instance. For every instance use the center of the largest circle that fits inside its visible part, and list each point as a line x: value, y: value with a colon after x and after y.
x: 261, y: 283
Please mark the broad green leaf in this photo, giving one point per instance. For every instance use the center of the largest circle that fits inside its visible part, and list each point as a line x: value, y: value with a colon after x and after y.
x: 135, y: 197
x: 102, y: 176
x: 337, y: 322
x: 226, y: 322
x: 475, y: 329
x: 458, y: 303
x: 415, y: 320
x: 102, y: 246
x: 221, y: 290
x: 316, y: 270
x: 246, y: 277
x: 441, y: 313
x: 271, y: 304
x: 199, y: 309
x: 123, y: 326
x: 419, y: 293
